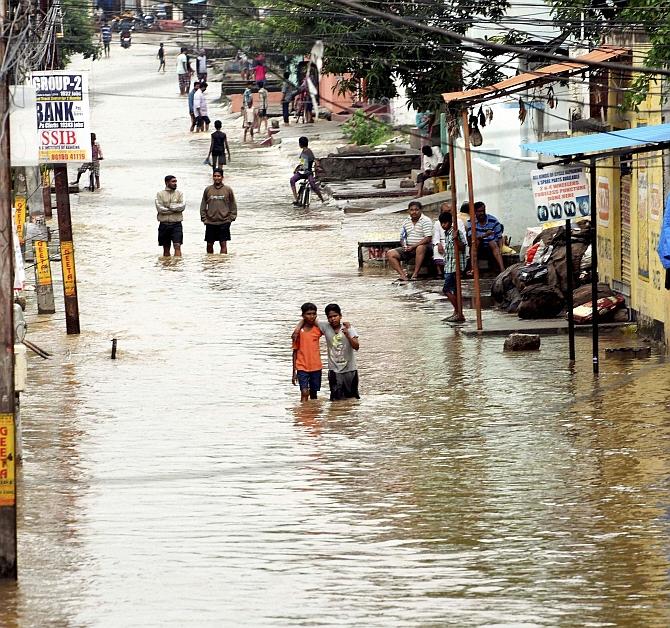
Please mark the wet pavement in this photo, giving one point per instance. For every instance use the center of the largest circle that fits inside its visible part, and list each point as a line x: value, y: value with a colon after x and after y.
x: 184, y: 483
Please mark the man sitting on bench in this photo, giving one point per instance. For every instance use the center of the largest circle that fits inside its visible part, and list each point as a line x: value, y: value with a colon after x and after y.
x: 433, y: 165
x: 489, y: 231
x: 415, y: 240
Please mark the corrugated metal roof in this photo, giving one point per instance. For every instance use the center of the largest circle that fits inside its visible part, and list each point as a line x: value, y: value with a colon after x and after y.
x: 603, y: 142
x: 539, y: 76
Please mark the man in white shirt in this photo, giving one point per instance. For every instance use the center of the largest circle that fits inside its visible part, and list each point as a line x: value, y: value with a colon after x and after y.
x: 200, y: 109
x: 433, y: 164
x: 183, y: 73
x: 415, y: 240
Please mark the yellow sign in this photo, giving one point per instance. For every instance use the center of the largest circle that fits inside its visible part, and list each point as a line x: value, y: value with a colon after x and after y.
x: 67, y: 263
x: 7, y: 462
x: 42, y: 263
x: 20, y: 206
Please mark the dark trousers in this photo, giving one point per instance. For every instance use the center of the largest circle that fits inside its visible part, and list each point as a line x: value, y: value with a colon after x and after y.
x: 284, y: 111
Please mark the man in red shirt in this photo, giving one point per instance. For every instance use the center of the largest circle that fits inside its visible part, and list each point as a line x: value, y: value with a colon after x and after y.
x: 260, y: 71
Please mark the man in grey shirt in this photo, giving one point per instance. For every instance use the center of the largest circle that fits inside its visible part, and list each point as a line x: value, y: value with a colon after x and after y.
x: 342, y: 342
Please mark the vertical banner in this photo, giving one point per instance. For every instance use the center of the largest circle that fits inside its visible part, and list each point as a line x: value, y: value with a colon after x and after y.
x: 67, y: 264
x: 603, y: 202
x: 560, y: 193
x: 63, y: 119
x: 7, y: 462
x: 642, y: 224
x: 42, y: 263
x: 20, y: 207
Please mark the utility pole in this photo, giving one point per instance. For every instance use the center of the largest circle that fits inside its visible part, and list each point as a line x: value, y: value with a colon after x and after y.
x: 7, y: 393
x: 66, y: 249
x: 66, y: 243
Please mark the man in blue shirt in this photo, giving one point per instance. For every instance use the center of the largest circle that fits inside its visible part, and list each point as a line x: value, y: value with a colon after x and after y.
x: 489, y: 232
x: 106, y: 36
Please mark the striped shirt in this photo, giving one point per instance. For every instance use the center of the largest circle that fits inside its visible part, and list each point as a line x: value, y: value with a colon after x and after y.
x: 106, y: 33
x: 491, y: 224
x: 413, y: 233
x: 450, y: 251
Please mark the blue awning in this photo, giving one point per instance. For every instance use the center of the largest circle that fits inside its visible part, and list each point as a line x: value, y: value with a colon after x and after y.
x: 642, y: 136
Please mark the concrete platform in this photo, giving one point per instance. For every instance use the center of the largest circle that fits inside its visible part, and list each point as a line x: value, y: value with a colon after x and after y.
x: 504, y: 324
x: 431, y: 204
x: 365, y: 188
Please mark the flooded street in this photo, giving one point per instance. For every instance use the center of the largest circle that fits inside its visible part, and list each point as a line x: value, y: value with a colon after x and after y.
x: 184, y: 483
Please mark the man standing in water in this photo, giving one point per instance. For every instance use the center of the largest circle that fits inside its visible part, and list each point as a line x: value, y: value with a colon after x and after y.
x: 183, y: 72
x: 161, y: 58
x: 217, y: 210
x: 170, y: 207
x: 106, y: 36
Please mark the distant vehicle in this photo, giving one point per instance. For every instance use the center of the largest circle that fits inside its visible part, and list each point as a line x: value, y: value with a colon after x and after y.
x: 125, y: 39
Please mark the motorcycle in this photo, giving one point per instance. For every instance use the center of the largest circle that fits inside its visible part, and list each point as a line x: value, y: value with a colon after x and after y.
x: 125, y: 39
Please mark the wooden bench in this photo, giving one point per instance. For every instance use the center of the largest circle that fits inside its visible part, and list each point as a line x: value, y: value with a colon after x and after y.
x: 375, y: 250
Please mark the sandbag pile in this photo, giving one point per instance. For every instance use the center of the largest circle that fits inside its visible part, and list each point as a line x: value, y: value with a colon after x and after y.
x: 536, y: 288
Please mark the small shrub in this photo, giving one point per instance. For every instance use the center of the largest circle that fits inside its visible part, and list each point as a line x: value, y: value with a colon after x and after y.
x: 363, y: 129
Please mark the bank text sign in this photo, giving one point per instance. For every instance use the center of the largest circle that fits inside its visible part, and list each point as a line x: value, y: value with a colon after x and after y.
x: 560, y: 193
x: 63, y: 125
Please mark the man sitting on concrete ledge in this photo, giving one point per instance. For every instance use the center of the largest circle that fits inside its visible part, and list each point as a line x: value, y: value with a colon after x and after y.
x: 432, y: 165
x: 489, y: 232
x: 415, y: 239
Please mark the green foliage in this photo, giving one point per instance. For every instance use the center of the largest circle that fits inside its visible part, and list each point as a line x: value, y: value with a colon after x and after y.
x: 597, y: 18
x: 362, y: 129
x: 79, y: 32
x: 374, y: 50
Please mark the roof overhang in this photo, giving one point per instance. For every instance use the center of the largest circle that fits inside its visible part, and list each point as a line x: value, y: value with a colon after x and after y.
x: 642, y: 139
x: 540, y: 76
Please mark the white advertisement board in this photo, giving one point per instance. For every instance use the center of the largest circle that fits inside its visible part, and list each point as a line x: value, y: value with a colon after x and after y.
x: 62, y: 115
x: 22, y: 137
x: 560, y: 193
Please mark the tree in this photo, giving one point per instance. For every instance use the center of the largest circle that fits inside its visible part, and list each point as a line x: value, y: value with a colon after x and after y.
x: 78, y: 32
x: 370, y: 49
x: 595, y: 19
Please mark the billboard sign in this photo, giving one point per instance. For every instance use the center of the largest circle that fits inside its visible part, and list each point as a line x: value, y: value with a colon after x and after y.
x: 560, y: 193
x: 63, y: 120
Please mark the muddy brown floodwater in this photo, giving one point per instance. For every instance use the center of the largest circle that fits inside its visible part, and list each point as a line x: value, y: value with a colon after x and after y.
x: 184, y: 484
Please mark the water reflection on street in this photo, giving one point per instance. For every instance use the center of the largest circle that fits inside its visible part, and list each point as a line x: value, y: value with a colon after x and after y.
x: 184, y: 484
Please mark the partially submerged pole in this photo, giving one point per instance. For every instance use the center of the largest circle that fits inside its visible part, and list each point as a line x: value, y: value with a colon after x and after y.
x: 473, y: 221
x: 569, y: 297
x: 454, y: 210
x: 594, y: 265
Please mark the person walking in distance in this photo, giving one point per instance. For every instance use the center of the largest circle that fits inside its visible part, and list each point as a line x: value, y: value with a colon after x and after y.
x: 93, y: 165
x: 218, y: 147
x: 286, y: 96
x: 201, y: 66
x: 200, y: 109
x: 218, y: 210
x: 183, y: 72
x: 191, y: 104
x: 161, y: 58
x: 106, y: 36
x: 170, y: 207
x: 262, y: 109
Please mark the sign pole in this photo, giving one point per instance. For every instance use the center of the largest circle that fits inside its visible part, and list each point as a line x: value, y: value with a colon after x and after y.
x: 569, y: 297
x: 66, y: 249
x: 594, y: 266
x: 473, y: 222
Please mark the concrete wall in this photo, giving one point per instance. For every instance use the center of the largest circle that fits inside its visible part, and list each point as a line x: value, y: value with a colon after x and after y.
x: 504, y: 186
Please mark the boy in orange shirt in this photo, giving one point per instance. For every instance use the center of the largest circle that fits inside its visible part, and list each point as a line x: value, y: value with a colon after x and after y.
x: 307, y: 355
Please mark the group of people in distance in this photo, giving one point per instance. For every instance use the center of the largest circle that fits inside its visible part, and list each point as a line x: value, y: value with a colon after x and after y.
x: 184, y: 68
x: 218, y: 210
x: 421, y: 240
x: 342, y: 344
